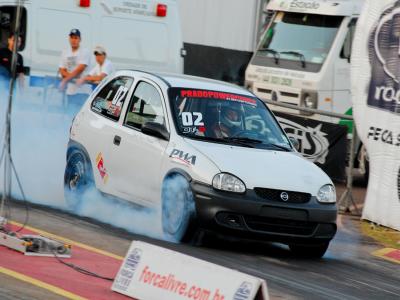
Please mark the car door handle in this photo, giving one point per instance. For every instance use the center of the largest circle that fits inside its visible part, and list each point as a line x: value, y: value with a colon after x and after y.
x: 117, y: 140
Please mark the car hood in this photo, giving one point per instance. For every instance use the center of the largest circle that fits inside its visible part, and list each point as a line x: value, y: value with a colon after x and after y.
x: 265, y: 168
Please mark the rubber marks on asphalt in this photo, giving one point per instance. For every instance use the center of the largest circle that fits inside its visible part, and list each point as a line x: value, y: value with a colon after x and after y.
x: 48, y: 273
x: 389, y: 254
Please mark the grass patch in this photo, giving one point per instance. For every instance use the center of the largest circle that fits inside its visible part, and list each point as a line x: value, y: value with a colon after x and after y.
x: 387, y: 236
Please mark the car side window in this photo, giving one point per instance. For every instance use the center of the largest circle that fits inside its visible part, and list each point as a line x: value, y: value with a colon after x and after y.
x: 145, y: 106
x: 109, y: 100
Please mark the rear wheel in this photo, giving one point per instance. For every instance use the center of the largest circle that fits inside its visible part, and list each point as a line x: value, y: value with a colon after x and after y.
x: 78, y: 179
x: 178, y: 209
x: 309, y: 251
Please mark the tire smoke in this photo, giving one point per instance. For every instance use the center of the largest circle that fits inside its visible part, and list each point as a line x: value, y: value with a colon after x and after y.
x: 40, y: 134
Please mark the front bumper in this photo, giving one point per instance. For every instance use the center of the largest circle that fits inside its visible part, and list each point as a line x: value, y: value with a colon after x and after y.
x: 249, y: 216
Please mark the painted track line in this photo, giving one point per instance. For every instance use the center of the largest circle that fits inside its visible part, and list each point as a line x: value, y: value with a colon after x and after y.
x: 65, y: 281
x: 41, y: 284
x: 389, y: 254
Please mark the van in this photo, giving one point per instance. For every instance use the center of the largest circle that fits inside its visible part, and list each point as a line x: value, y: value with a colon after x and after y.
x: 138, y: 34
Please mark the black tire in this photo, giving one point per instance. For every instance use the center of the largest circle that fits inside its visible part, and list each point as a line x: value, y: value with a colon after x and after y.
x: 309, y: 251
x: 78, y: 178
x: 178, y: 209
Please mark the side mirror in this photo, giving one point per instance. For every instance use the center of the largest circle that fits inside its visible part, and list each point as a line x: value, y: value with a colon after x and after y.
x: 295, y: 143
x: 156, y: 130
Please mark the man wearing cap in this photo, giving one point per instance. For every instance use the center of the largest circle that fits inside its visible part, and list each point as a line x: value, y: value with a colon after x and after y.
x: 102, y: 69
x: 74, y: 62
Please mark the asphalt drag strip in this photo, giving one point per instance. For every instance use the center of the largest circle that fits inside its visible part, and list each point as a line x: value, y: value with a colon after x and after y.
x: 349, y: 270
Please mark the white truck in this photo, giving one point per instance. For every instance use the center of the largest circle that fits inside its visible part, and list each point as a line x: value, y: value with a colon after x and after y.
x: 303, y: 58
x: 138, y: 34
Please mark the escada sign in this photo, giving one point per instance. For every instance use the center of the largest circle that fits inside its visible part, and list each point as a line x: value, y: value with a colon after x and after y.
x: 304, y: 4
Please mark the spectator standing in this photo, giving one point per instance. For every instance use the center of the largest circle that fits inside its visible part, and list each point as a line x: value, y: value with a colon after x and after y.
x: 74, y: 62
x: 6, y: 61
x: 102, y: 68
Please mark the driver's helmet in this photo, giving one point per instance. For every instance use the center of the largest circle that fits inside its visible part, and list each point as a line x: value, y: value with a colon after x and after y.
x: 231, y: 117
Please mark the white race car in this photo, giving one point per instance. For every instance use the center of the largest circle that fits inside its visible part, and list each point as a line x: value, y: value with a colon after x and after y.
x: 210, y: 155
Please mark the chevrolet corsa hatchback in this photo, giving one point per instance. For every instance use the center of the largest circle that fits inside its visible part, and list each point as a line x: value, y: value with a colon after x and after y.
x: 208, y: 154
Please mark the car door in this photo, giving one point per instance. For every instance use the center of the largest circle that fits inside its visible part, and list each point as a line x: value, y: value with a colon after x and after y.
x: 136, y: 158
x: 99, y: 129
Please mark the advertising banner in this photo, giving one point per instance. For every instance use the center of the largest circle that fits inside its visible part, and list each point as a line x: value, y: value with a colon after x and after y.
x: 325, y: 144
x: 376, y: 106
x: 152, y: 273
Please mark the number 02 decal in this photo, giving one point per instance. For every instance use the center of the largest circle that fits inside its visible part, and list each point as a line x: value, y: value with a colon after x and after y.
x: 119, y: 96
x: 192, y: 119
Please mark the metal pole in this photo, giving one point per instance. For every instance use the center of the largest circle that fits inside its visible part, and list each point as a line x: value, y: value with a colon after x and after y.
x: 7, y: 137
x: 346, y: 199
x: 309, y: 110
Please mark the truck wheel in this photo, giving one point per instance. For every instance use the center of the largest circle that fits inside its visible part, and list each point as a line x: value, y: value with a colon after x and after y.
x: 178, y: 210
x: 309, y: 251
x: 78, y: 178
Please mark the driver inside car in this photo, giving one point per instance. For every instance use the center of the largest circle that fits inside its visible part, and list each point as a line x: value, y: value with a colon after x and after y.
x: 229, y: 123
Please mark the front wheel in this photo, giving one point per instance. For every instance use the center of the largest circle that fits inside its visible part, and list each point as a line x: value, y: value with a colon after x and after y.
x: 178, y: 209
x: 78, y: 179
x: 309, y: 251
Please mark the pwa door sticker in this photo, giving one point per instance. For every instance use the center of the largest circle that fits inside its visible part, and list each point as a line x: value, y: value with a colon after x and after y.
x: 182, y: 157
x: 100, y: 167
x: 313, y: 143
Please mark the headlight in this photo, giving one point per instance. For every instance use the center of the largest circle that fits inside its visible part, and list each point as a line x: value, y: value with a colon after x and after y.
x: 228, y: 182
x: 327, y: 194
x: 309, y: 99
x: 308, y: 102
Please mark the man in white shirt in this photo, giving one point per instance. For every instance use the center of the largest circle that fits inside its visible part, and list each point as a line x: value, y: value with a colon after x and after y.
x: 102, y: 69
x: 74, y: 62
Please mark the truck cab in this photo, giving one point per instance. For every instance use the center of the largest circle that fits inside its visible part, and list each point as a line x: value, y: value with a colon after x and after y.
x: 303, y: 58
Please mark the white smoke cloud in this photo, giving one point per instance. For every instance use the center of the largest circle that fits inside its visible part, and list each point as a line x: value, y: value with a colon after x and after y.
x: 40, y: 135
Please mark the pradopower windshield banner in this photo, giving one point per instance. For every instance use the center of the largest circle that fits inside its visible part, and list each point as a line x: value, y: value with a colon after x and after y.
x: 376, y: 100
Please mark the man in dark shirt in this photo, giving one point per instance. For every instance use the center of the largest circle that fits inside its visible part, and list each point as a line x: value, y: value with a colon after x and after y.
x: 6, y: 60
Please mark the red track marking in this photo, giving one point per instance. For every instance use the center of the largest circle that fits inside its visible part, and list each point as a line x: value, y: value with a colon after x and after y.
x: 395, y: 254
x: 50, y: 271
x: 390, y: 254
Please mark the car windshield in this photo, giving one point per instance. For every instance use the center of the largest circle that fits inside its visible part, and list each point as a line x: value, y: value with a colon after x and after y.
x: 300, y: 37
x: 221, y: 117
